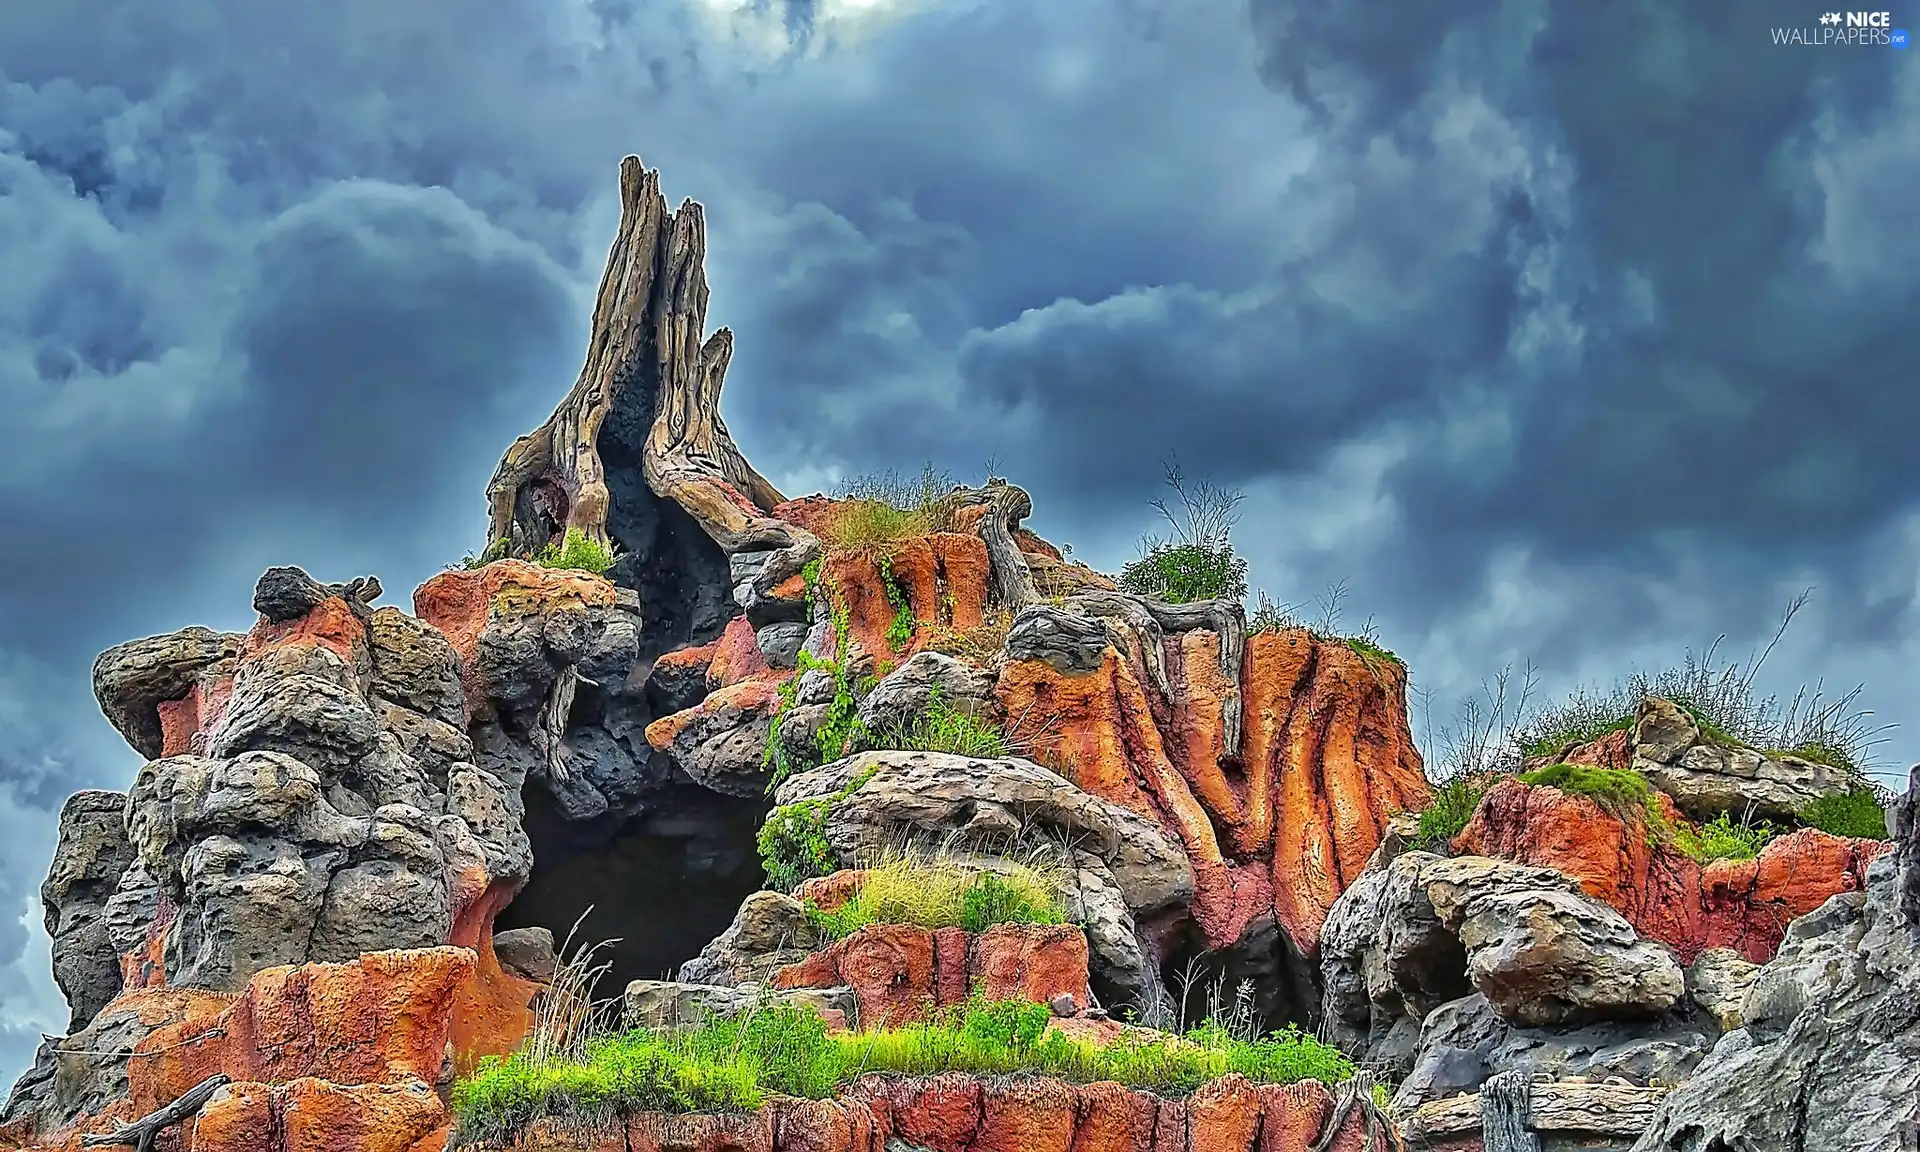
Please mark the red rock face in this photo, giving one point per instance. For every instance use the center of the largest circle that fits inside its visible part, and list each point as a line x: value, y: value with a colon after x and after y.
x: 459, y: 602
x: 310, y: 1115
x: 900, y: 973
x: 1284, y: 827
x: 955, y: 1113
x: 1740, y: 904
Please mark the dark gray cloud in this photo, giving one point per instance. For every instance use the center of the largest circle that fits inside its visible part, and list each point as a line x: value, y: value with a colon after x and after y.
x: 1562, y: 330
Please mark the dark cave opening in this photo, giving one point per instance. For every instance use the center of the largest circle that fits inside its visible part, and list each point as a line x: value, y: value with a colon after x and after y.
x: 662, y: 883
x: 1285, y: 989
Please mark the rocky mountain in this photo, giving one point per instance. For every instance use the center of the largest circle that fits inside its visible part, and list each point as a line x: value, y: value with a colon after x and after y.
x: 715, y: 721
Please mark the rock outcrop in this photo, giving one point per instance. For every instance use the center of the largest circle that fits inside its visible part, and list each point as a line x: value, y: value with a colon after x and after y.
x: 902, y: 973
x: 1829, y: 1057
x: 1707, y: 775
x: 1744, y: 905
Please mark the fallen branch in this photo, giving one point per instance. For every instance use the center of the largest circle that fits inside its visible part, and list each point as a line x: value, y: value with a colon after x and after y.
x: 141, y: 1133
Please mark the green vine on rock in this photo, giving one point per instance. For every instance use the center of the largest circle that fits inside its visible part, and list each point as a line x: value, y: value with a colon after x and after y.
x: 793, y: 842
x: 900, y: 629
x: 841, y: 724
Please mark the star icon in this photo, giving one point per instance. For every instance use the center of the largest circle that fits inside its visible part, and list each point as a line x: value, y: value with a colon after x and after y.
x: 1830, y: 18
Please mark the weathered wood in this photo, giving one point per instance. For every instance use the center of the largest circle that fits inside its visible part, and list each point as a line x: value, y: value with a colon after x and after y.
x: 647, y: 327
x: 1351, y: 1096
x: 1597, y: 1108
x: 1005, y: 505
x: 1506, y: 1114
x: 140, y: 1134
x: 1151, y: 620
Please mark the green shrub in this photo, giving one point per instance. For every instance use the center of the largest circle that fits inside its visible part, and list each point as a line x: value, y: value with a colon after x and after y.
x: 944, y: 894
x: 579, y: 552
x: 1573, y: 727
x: 841, y: 724
x: 1184, y: 573
x: 941, y: 727
x: 1723, y: 839
x: 1454, y: 802
x: 793, y: 841
x: 1861, y: 812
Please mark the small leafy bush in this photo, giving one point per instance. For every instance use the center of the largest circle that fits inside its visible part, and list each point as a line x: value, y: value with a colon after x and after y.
x: 943, y: 894
x: 1453, y: 805
x: 900, y: 628
x: 1183, y: 573
x: 1197, y: 562
x: 1722, y: 839
x: 578, y: 552
x: 1860, y: 812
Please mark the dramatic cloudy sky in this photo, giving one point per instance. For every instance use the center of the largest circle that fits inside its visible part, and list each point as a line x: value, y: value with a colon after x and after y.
x: 1561, y: 330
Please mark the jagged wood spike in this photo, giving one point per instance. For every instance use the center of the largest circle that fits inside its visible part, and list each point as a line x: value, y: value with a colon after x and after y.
x: 647, y: 319
x: 141, y: 1134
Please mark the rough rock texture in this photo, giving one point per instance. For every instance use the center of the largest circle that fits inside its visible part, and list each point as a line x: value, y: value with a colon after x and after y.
x: 385, y: 1019
x: 1830, y: 1054
x: 1706, y: 777
x: 674, y: 1003
x: 1559, y: 1116
x: 1740, y: 904
x: 1014, y: 1114
x: 1464, y: 1042
x: 1717, y: 981
x: 902, y: 696
x: 317, y: 800
x: 1419, y: 931
x: 1126, y: 870
x: 770, y: 931
x: 900, y: 973
x: 1275, y: 760
x: 527, y: 953
x: 92, y: 854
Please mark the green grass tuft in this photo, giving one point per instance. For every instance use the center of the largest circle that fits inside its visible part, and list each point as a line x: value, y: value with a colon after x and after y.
x: 731, y: 1065
x: 941, y: 727
x: 1861, y: 812
x: 942, y: 894
x: 1723, y: 839
x: 1578, y: 730
x: 1371, y: 651
x: 1453, y: 805
x: 1617, y: 790
x: 578, y: 552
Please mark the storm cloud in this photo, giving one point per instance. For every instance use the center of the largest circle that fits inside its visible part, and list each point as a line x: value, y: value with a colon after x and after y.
x: 1565, y: 331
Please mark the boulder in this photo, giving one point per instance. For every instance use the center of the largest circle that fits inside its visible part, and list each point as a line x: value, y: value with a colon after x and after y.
x: 91, y: 855
x: 667, y: 1004
x: 1718, y: 981
x: 527, y: 952
x: 1829, y: 1057
x: 903, y: 695
x: 1707, y: 777
x: 1421, y: 929
x: 770, y: 931
x: 132, y: 680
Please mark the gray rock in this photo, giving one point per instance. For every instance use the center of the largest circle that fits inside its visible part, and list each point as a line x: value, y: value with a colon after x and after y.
x: 1706, y: 778
x: 780, y: 642
x: 1718, y: 981
x: 1464, y: 1042
x: 283, y: 594
x: 80, y: 1074
x: 526, y: 952
x: 1830, y: 1056
x: 960, y: 802
x: 769, y: 932
x: 416, y: 667
x: 93, y: 852
x: 131, y: 680
x: 1419, y: 930
x: 904, y: 695
x: 669, y: 1004
x: 1074, y: 644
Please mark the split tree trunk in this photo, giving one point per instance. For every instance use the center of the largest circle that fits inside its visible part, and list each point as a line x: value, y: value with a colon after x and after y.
x: 647, y: 325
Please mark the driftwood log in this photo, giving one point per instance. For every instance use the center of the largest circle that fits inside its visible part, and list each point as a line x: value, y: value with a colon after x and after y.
x: 647, y: 334
x: 141, y: 1134
x: 1564, y: 1108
